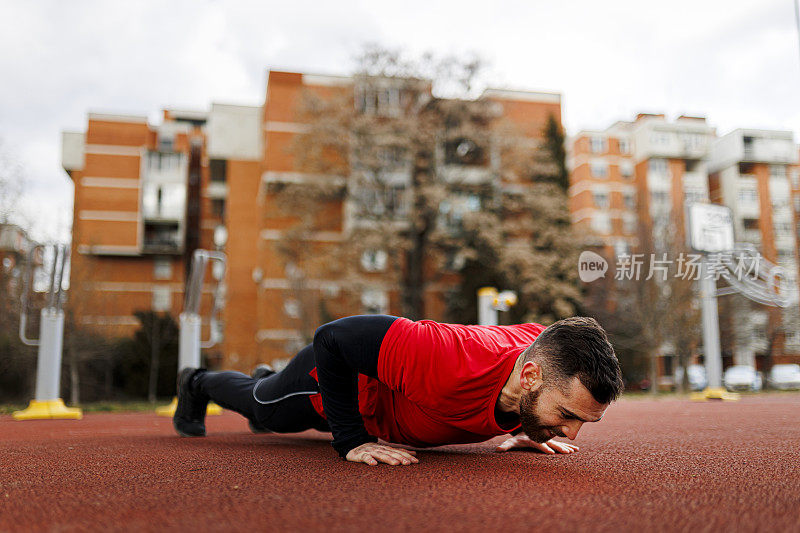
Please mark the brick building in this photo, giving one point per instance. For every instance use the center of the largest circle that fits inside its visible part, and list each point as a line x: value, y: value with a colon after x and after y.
x: 755, y: 173
x: 630, y: 183
x: 147, y: 195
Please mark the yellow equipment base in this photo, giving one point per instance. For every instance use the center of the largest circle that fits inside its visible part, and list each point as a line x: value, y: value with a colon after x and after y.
x: 169, y: 410
x: 714, y: 394
x: 48, y: 410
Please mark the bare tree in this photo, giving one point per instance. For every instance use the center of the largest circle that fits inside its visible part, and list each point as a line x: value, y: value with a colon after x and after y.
x: 12, y: 180
x: 442, y: 187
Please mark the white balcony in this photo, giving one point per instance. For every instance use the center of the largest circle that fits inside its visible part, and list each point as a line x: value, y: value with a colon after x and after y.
x: 768, y: 150
x: 165, y: 167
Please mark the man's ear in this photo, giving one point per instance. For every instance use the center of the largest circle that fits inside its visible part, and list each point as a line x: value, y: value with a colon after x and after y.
x: 530, y: 377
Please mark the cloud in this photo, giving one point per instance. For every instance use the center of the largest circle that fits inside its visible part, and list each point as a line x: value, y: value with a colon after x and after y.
x: 737, y: 63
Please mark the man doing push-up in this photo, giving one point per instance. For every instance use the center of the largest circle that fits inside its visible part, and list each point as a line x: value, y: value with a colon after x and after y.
x: 422, y: 384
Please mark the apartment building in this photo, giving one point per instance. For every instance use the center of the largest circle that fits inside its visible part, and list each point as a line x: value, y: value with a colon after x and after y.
x: 602, y: 194
x: 147, y: 195
x: 631, y: 181
x: 630, y: 184
x: 755, y: 173
x: 143, y: 202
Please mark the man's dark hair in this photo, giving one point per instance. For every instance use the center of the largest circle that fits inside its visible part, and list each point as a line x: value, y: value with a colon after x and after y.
x: 578, y: 346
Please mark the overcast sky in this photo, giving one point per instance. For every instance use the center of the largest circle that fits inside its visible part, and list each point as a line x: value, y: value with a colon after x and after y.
x: 736, y: 63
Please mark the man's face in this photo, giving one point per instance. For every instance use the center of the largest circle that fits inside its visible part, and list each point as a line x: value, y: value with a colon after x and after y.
x: 547, y: 412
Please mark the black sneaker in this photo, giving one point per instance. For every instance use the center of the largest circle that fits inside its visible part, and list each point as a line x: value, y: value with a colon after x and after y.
x: 190, y: 414
x: 261, y: 371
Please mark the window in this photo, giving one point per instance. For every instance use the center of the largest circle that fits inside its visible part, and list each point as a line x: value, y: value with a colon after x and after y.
x: 659, y: 138
x: 659, y: 197
x: 375, y: 302
x: 218, y: 170
x: 694, y: 195
x: 387, y: 202
x: 601, y: 223
x: 797, y: 204
x: 163, y: 161
x: 777, y: 171
x: 373, y: 260
x: 162, y: 268
x: 392, y: 157
x: 600, y: 199
x: 452, y: 210
x: 750, y: 224
x: 291, y: 308
x: 163, y: 201
x: 629, y: 199
x: 783, y: 229
x: 380, y: 100
x: 795, y: 177
x: 162, y: 236
x: 626, y: 169
x: 162, y: 298
x: 624, y: 146
x: 748, y: 194
x: 657, y: 166
x: 218, y: 207
x: 629, y: 224
x: 599, y: 145
x: 692, y: 141
x: 166, y: 144
x: 599, y: 169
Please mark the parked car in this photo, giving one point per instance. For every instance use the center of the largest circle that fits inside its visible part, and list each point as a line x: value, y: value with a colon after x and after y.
x: 784, y: 377
x: 742, y: 378
x: 697, y: 377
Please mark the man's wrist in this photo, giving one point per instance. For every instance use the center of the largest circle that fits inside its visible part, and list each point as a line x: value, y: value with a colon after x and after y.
x: 343, y: 447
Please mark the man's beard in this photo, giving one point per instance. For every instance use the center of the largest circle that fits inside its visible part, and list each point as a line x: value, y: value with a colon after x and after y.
x: 531, y: 423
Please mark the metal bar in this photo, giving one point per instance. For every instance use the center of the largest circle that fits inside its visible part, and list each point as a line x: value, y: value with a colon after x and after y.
x: 25, y: 299
x: 217, y: 303
x: 51, y: 288
x: 63, y: 253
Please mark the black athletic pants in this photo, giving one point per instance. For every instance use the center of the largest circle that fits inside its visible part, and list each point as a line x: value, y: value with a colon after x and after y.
x: 280, y: 403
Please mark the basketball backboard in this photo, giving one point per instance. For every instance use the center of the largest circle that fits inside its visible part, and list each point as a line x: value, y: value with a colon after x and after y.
x: 710, y: 228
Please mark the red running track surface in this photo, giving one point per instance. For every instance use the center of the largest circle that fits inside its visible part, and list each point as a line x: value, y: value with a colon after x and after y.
x: 659, y: 465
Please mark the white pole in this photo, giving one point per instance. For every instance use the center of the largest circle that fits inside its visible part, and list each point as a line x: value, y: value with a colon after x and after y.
x: 189, y: 346
x: 487, y: 313
x: 48, y: 367
x: 711, y: 346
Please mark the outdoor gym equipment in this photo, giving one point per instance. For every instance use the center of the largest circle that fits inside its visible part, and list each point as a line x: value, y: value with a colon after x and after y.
x: 490, y: 302
x: 47, y: 403
x: 190, y: 342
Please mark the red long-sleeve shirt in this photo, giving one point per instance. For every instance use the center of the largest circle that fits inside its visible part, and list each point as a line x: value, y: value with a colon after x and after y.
x: 439, y: 383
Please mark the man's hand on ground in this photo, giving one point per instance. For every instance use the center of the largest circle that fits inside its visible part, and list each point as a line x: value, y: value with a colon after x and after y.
x: 522, y: 441
x: 372, y: 453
